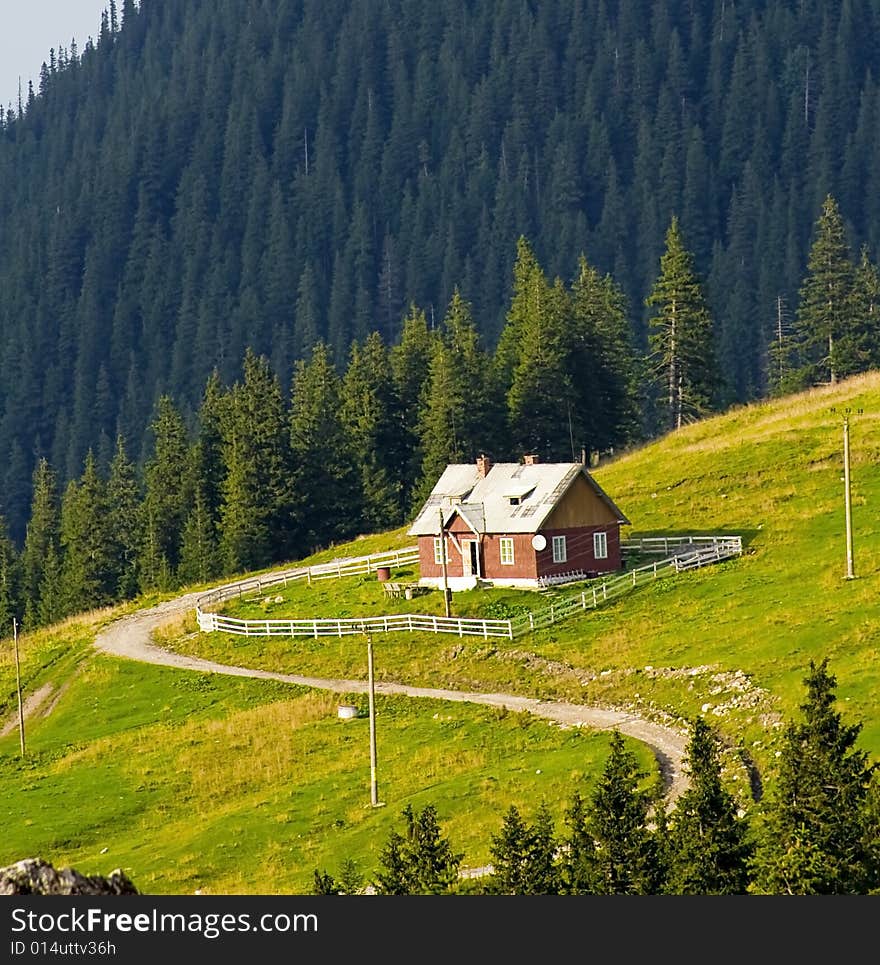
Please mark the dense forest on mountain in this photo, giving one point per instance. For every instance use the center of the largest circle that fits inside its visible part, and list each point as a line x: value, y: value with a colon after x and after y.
x: 201, y: 180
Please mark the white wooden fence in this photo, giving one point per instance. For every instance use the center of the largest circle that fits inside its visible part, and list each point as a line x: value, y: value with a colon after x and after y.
x: 411, y: 622
x: 687, y: 553
x: 347, y: 566
x: 681, y: 553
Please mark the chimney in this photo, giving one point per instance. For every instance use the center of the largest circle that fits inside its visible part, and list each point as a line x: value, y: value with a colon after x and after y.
x: 484, y: 464
x: 531, y: 459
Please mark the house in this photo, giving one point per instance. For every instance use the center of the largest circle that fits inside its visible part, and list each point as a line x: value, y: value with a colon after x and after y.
x: 516, y: 524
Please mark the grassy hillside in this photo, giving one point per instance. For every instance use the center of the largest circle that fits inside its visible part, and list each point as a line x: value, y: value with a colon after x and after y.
x: 232, y: 785
x: 735, y: 638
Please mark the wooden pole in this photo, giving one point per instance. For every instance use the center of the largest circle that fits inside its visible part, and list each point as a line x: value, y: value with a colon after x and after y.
x: 446, y: 602
x: 18, y: 686
x: 374, y: 788
x: 850, y: 574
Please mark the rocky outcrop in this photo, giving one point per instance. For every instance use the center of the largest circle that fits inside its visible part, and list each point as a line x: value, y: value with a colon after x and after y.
x: 33, y: 876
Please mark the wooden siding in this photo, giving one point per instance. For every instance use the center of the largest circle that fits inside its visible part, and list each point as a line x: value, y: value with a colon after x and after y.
x: 579, y: 549
x: 580, y: 506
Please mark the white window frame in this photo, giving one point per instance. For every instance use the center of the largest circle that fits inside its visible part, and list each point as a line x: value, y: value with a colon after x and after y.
x: 505, y: 551
x: 440, y: 545
x: 600, y: 546
x: 560, y: 550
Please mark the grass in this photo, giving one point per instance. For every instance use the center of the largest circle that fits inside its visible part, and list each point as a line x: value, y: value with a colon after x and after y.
x: 242, y: 786
x: 235, y: 786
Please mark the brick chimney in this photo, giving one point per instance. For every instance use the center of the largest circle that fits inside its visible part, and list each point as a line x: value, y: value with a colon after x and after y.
x: 484, y: 464
x: 531, y: 459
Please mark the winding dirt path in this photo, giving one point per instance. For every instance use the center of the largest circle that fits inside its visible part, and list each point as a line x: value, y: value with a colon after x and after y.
x: 131, y: 637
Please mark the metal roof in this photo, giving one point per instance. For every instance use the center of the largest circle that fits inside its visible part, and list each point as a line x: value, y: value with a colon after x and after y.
x: 484, y: 502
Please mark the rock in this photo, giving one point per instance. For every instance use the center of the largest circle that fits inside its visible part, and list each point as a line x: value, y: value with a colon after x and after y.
x: 33, y: 876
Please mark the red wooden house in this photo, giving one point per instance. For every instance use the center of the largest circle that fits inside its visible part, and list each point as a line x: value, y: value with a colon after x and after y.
x: 516, y: 524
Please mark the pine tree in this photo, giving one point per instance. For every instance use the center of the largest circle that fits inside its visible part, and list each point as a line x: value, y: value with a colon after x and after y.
x: 420, y: 861
x: 709, y: 849
x: 524, y: 855
x: 326, y: 485
x: 41, y: 541
x: 541, y: 402
x: 681, y: 339
x: 819, y: 831
x: 866, y: 311
x: 123, y: 523
x: 410, y: 362
x: 577, y: 863
x: 8, y: 581
x: 255, y: 513
x: 86, y: 564
x: 824, y: 321
x: 369, y: 413
x: 164, y: 506
x: 626, y: 861
x: 602, y: 361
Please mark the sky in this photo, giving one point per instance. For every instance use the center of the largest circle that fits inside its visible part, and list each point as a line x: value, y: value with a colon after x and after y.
x: 31, y: 27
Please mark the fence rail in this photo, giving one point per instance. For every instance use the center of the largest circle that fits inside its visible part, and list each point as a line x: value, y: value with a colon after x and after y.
x: 348, y: 566
x: 687, y: 553
x: 682, y: 553
x: 411, y: 622
x: 675, y: 545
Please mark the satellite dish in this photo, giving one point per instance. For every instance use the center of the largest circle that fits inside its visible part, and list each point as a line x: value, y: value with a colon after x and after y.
x: 539, y: 542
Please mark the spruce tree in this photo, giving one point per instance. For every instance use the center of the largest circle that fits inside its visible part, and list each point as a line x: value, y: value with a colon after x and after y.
x: 41, y: 541
x: 368, y: 411
x: 255, y: 512
x: 410, y: 362
x: 87, y: 562
x: 825, y: 326
x: 626, y: 856
x: 420, y: 861
x: 602, y: 362
x: 8, y: 581
x: 123, y: 523
x: 577, y: 862
x: 164, y: 506
x: 709, y: 847
x: 541, y: 403
x: 524, y: 858
x: 819, y: 831
x: 682, y: 356
x: 325, y: 483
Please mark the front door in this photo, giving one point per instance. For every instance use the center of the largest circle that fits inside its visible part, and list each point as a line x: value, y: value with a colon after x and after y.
x: 469, y: 560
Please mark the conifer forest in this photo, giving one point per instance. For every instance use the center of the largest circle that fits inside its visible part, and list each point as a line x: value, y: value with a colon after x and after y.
x: 259, y: 258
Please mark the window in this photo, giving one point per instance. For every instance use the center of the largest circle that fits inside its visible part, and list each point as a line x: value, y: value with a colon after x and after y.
x: 600, y: 546
x: 560, y: 553
x: 438, y: 551
x: 506, y: 549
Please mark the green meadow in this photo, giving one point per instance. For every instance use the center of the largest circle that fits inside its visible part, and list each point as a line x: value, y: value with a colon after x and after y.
x: 233, y: 786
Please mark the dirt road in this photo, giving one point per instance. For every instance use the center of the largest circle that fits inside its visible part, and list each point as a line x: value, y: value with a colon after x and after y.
x: 130, y: 637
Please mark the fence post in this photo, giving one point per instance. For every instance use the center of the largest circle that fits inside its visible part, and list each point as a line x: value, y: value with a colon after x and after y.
x: 510, y: 629
x: 552, y: 614
x: 485, y: 630
x: 315, y: 628
x: 531, y: 620
x: 583, y: 600
x: 604, y: 591
x: 594, y: 597
x: 309, y: 575
x: 634, y: 577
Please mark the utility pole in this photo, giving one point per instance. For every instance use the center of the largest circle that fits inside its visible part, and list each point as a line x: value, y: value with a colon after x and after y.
x: 847, y: 500
x: 374, y: 788
x: 18, y: 686
x: 446, y: 602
